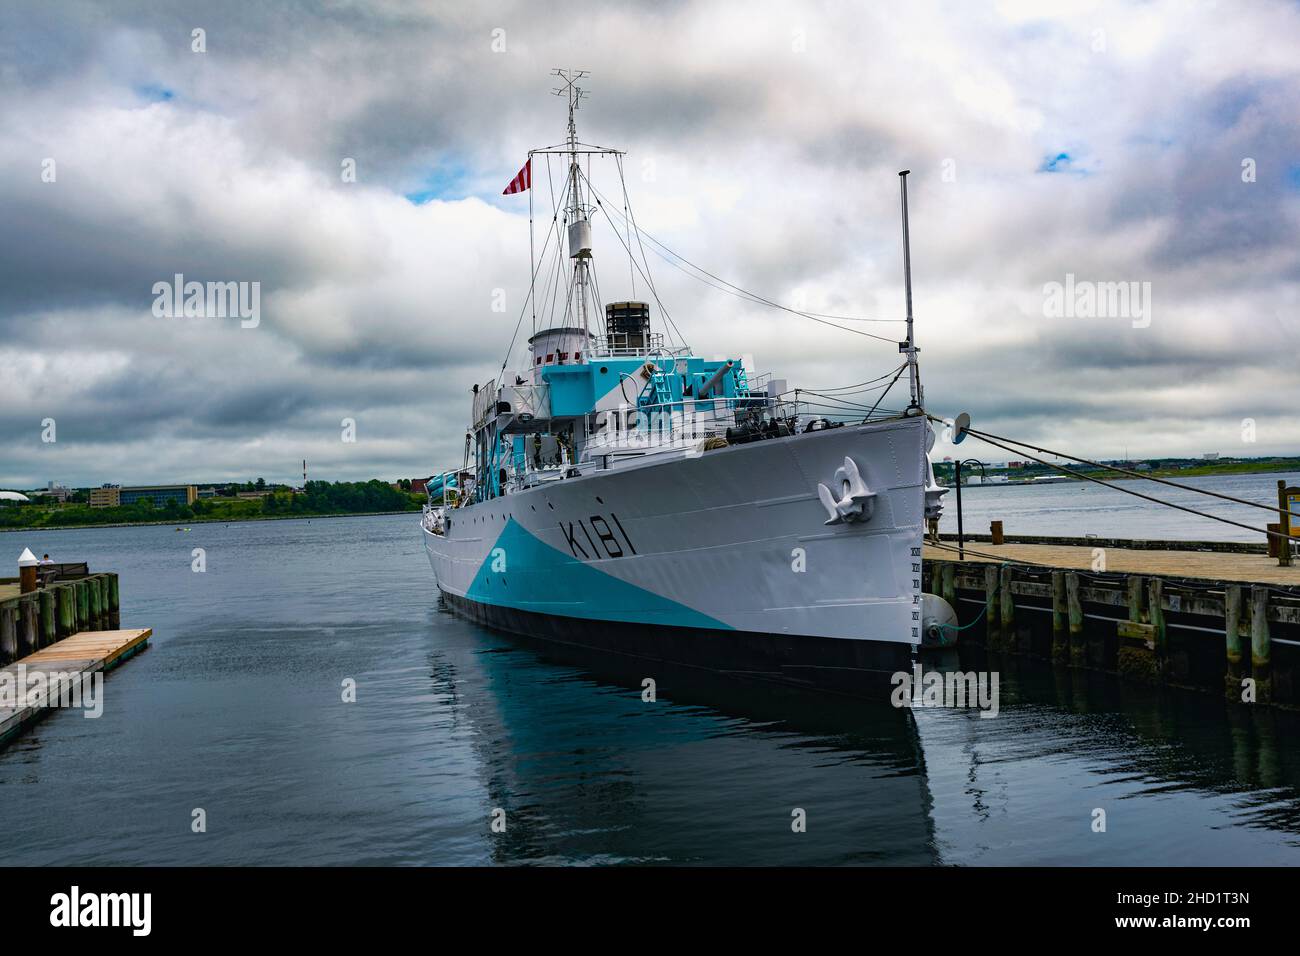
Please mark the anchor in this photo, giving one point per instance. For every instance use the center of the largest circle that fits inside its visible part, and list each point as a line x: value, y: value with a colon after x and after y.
x: 856, y: 500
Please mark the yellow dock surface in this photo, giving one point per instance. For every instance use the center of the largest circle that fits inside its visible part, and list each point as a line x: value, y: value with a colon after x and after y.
x: 63, y: 663
x: 1208, y: 565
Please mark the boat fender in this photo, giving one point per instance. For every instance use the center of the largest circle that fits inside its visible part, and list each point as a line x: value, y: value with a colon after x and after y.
x: 938, y: 623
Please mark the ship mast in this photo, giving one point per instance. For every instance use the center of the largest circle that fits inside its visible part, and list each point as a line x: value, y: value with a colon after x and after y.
x: 577, y: 213
x: 909, y: 347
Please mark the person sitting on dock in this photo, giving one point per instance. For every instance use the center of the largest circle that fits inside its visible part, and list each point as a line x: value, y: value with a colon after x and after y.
x: 46, y: 560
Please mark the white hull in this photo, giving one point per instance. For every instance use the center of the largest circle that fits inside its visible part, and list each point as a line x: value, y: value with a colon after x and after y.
x: 735, y: 539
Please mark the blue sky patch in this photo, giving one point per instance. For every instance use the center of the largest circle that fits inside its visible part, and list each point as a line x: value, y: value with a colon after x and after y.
x: 155, y: 92
x: 445, y: 181
x: 1060, y: 163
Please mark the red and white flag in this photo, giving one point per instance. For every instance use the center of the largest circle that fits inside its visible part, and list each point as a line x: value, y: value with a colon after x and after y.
x: 522, y: 181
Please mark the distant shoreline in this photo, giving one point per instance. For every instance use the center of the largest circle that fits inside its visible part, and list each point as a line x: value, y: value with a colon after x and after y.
x: 1200, y: 471
x: 194, y: 521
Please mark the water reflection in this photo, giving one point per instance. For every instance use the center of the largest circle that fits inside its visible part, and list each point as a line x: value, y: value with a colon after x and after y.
x: 587, y: 771
x: 1183, y: 777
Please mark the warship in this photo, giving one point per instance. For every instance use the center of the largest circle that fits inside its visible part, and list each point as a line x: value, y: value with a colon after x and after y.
x: 620, y: 493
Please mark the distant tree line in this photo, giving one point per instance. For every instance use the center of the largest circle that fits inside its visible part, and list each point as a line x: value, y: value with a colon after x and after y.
x: 317, y: 498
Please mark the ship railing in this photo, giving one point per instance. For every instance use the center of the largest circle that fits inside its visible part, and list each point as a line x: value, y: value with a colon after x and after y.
x: 616, y: 344
x: 670, y: 426
x: 532, y: 477
x: 692, y: 424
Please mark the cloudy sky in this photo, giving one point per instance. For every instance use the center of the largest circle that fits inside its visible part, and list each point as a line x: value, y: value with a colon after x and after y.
x: 1114, y: 142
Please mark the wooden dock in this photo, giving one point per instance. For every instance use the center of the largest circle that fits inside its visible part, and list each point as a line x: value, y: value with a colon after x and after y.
x: 71, y: 604
x: 1246, y: 568
x: 59, y: 667
x: 62, y: 631
x: 1208, y: 616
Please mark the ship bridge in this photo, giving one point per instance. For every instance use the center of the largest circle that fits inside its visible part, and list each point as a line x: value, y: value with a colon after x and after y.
x: 585, y: 401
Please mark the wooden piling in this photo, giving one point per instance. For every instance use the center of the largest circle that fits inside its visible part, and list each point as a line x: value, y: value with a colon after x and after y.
x: 1060, y: 618
x: 92, y: 598
x: 115, y: 608
x: 991, y: 630
x: 49, y: 630
x: 9, y: 631
x: 1078, y: 649
x: 1274, y: 529
x: 948, y: 583
x: 995, y: 532
x: 103, y: 602
x: 1007, y: 616
x: 1136, y: 593
x: 1232, y: 641
x: 28, y: 630
x: 1156, y: 612
x: 1260, y: 645
x: 65, y: 596
x: 1141, y: 653
x: 83, y: 605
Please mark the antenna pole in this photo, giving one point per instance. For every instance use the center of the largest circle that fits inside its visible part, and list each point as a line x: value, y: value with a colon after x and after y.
x: 576, y: 211
x: 909, y: 347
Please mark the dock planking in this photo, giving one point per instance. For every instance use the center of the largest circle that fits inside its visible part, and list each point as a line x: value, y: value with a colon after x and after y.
x: 68, y: 661
x: 1204, y: 565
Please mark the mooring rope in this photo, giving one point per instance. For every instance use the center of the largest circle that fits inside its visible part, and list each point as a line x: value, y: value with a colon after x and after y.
x: 961, y: 627
x: 1125, y: 471
x: 998, y: 558
x: 990, y: 439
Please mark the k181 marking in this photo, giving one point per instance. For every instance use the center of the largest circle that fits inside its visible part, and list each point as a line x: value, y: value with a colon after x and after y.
x: 581, y: 532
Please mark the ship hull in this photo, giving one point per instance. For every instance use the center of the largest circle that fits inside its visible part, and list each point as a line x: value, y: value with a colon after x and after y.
x: 724, y: 560
x: 861, y: 668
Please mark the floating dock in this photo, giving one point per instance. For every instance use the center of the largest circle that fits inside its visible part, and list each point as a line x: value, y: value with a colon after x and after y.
x: 57, y: 635
x: 1203, y: 615
x: 63, y: 665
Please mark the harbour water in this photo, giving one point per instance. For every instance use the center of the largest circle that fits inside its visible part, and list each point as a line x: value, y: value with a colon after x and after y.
x: 1078, y: 508
x: 238, y: 709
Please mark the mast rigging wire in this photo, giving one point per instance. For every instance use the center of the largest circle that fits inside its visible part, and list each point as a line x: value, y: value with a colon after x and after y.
x: 618, y: 160
x: 1137, y: 494
x: 1126, y: 471
x: 849, y: 389
x: 522, y: 312
x: 896, y: 377
x: 653, y: 291
x: 741, y: 292
x: 631, y: 221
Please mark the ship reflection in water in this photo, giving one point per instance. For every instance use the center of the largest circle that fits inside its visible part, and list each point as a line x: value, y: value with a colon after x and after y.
x: 237, y: 710
x: 713, y: 771
x: 589, y: 770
